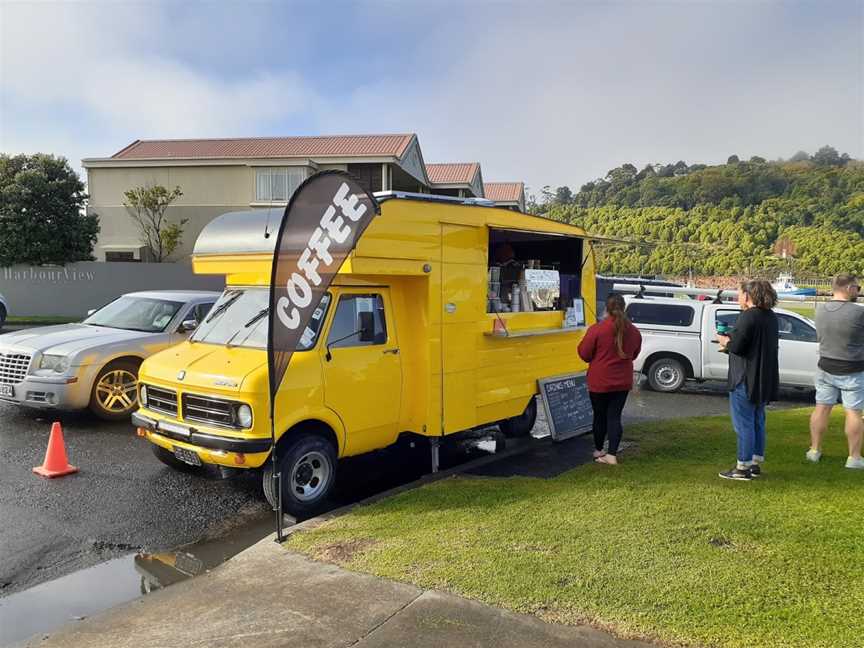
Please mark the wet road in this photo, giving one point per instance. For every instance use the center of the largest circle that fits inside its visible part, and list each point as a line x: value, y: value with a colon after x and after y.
x: 123, y: 501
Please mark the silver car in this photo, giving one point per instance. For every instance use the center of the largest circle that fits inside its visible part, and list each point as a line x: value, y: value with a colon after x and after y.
x: 4, y: 311
x: 94, y: 364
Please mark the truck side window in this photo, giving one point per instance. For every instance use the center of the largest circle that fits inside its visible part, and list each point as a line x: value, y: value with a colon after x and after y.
x: 727, y: 317
x: 644, y: 312
x: 791, y: 328
x: 346, y: 321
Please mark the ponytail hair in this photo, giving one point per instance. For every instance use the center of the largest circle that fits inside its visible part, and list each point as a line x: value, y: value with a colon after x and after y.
x: 615, y: 309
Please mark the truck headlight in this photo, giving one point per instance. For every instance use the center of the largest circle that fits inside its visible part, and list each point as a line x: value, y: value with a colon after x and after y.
x: 56, y: 363
x: 142, y: 395
x: 244, y: 416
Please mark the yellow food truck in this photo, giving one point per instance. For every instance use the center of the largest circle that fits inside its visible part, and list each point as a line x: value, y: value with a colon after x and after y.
x: 442, y: 320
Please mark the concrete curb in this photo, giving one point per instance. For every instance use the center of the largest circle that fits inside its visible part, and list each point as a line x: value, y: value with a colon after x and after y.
x: 317, y: 521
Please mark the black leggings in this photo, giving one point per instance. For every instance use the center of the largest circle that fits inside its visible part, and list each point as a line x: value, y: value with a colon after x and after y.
x: 607, y: 408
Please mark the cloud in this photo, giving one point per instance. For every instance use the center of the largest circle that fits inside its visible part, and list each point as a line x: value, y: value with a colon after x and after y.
x: 561, y: 93
x: 550, y: 93
x: 90, y: 62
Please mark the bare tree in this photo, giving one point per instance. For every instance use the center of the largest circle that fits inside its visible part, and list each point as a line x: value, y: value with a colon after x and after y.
x: 147, y: 207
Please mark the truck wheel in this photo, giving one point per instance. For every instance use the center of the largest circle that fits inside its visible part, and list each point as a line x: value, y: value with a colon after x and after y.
x: 308, y: 467
x: 167, y: 458
x: 521, y: 425
x: 666, y: 375
x: 115, y: 391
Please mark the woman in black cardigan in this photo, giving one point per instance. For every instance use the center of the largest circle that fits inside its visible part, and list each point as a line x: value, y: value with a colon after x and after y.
x: 754, y: 376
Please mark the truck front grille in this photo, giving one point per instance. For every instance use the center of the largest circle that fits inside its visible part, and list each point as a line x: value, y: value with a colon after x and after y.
x: 13, y: 367
x: 162, y: 400
x: 208, y: 410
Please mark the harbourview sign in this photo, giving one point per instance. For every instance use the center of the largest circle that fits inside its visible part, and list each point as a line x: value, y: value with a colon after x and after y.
x: 52, y: 274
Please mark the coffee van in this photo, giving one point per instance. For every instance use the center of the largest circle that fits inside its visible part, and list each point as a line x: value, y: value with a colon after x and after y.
x: 431, y: 328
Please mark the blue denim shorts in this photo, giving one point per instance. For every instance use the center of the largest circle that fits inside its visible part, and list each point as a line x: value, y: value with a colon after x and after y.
x: 831, y: 388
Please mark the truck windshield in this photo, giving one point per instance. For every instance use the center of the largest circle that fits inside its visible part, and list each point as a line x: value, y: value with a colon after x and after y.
x: 242, y: 320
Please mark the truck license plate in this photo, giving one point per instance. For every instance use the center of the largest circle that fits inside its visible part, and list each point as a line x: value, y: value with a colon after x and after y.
x: 7, y: 390
x: 187, y: 456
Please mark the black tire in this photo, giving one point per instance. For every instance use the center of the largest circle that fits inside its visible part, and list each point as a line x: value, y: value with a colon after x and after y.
x: 304, y: 460
x: 98, y: 401
x: 519, y: 426
x: 167, y: 458
x: 666, y: 375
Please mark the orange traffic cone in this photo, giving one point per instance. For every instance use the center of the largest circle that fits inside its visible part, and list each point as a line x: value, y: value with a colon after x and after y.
x: 56, y: 464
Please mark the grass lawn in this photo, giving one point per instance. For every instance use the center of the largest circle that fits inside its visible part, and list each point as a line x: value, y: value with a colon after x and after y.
x: 658, y: 547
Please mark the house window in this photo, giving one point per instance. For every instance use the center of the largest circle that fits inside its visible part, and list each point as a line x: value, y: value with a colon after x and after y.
x: 277, y: 183
x: 119, y: 256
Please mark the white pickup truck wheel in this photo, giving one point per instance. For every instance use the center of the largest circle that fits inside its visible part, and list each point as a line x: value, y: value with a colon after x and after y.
x: 666, y: 375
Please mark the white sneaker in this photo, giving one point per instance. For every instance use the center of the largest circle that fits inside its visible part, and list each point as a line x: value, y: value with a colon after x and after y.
x: 857, y: 464
x: 814, y: 455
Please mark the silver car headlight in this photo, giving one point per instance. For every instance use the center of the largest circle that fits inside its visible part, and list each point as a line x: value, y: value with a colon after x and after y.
x: 57, y: 363
x: 244, y: 416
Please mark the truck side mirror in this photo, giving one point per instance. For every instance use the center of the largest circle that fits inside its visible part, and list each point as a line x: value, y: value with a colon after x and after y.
x: 367, y: 326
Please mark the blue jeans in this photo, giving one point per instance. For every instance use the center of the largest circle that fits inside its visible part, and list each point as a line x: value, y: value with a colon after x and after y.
x: 749, y: 423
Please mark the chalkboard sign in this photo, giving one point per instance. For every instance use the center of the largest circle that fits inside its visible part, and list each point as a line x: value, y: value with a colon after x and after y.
x: 567, y: 405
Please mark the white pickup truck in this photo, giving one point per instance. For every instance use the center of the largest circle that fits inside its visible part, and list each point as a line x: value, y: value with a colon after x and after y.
x: 679, y: 342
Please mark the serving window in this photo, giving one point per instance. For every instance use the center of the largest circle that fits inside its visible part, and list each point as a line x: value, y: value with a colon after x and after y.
x: 531, y: 272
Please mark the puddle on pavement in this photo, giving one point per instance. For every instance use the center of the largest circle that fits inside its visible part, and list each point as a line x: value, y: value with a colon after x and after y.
x: 48, y: 606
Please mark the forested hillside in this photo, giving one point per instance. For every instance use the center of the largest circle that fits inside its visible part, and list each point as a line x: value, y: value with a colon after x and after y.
x: 733, y: 218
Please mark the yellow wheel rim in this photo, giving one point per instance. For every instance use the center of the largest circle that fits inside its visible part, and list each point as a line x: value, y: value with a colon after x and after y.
x: 117, y: 391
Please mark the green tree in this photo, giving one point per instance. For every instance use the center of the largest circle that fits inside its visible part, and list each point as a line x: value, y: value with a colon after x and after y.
x: 147, y: 207
x: 828, y: 156
x: 42, y: 212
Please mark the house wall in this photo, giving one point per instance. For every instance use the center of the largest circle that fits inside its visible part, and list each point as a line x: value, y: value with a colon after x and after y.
x: 208, y: 191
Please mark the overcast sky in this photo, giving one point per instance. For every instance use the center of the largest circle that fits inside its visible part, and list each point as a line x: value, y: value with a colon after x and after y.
x: 545, y: 92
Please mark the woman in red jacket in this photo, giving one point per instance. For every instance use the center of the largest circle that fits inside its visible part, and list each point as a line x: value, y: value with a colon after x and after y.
x: 609, y: 347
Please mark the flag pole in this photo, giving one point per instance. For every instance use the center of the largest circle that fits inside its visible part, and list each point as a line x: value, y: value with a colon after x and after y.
x: 276, y: 476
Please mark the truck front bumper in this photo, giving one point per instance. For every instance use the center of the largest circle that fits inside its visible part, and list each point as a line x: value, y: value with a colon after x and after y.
x: 211, y: 448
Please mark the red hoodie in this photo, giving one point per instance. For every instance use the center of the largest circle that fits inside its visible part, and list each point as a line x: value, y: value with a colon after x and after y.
x: 607, y: 371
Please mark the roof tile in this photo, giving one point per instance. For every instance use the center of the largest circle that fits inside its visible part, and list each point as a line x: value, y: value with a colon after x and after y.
x: 268, y: 147
x: 503, y: 191
x: 452, y: 172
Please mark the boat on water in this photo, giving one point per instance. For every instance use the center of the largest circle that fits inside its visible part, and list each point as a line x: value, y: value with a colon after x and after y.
x: 786, y: 286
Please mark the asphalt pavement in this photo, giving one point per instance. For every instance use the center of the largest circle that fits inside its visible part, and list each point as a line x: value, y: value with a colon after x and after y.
x: 123, y: 501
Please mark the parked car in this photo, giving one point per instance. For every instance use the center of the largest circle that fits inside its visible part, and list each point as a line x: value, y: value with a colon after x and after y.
x: 94, y: 364
x: 678, y: 342
x: 4, y: 311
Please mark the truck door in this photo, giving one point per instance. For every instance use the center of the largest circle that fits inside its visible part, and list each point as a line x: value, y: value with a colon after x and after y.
x: 799, y: 351
x: 363, y: 377
x: 717, y: 363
